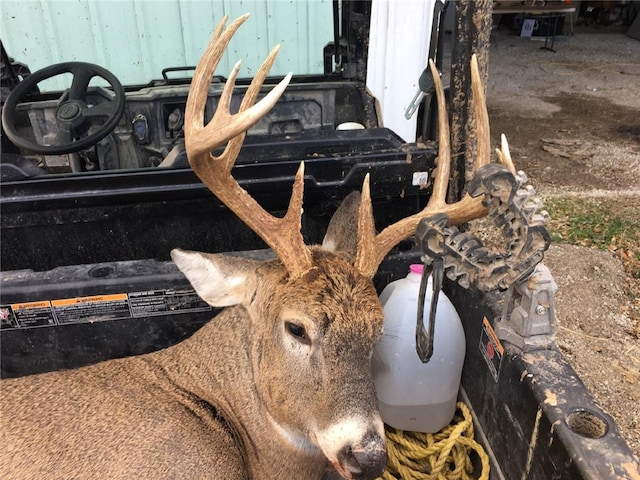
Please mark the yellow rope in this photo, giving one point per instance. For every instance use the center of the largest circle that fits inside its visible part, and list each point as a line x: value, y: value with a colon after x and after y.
x: 436, y: 456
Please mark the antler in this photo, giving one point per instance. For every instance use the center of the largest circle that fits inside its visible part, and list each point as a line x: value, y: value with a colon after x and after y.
x: 371, y: 247
x: 283, y: 235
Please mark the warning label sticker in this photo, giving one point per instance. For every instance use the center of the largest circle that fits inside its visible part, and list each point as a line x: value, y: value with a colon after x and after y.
x: 96, y: 308
x: 162, y: 302
x: 26, y: 315
x: 100, y: 308
x: 491, y: 348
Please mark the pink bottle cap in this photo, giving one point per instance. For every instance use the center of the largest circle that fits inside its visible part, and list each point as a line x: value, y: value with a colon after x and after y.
x: 416, y: 268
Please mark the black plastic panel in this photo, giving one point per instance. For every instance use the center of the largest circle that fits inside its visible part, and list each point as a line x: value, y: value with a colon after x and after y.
x: 77, y: 315
x: 525, y: 414
x: 92, y: 218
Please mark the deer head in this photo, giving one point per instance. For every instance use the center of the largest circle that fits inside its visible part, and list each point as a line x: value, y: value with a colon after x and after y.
x: 314, y: 312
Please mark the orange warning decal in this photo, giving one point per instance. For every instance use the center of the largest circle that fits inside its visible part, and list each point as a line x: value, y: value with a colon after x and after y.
x: 494, y: 337
x: 92, y: 299
x: 30, y: 305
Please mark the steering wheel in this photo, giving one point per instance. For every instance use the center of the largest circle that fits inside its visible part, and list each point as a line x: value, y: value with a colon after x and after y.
x: 79, y: 124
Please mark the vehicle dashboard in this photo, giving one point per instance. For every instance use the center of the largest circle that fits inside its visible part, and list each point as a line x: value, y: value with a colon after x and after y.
x: 149, y: 133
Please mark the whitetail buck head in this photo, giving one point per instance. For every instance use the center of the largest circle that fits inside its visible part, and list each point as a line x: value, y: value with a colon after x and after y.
x: 314, y: 311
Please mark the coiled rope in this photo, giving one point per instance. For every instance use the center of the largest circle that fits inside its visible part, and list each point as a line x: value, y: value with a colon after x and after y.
x: 444, y: 455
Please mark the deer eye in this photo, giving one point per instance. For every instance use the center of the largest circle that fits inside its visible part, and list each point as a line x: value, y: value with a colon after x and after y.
x: 298, y: 332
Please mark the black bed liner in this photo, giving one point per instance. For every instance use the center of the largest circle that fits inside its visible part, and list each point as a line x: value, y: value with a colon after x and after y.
x: 86, y: 277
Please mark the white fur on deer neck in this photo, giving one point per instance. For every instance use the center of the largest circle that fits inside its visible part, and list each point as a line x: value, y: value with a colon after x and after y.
x: 294, y: 439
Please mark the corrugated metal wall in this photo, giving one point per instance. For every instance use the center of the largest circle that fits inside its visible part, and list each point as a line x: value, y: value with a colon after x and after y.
x: 136, y: 39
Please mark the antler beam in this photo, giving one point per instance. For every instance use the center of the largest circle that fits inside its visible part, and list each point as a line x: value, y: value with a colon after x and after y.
x: 371, y: 247
x: 283, y: 235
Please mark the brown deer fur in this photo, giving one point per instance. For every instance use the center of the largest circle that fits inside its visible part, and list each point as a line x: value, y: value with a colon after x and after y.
x: 241, y: 398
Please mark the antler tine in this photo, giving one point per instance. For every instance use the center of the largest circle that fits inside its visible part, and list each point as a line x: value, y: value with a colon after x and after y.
x: 281, y: 234
x: 504, y: 155
x: 221, y: 128
x: 367, y: 251
x: 479, y: 101
x: 202, y: 80
x: 371, y: 247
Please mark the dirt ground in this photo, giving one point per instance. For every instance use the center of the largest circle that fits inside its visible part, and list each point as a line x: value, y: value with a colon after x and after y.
x: 572, y: 118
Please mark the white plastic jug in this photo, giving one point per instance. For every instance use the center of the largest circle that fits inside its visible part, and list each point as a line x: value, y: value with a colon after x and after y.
x: 412, y: 395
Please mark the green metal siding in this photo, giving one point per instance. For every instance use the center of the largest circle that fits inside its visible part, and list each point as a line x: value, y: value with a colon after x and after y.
x: 136, y: 39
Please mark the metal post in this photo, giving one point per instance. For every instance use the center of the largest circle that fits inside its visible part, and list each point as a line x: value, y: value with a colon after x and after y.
x: 471, y: 35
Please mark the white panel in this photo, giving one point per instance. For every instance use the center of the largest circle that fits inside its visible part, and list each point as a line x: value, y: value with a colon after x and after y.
x: 398, y: 51
x: 136, y: 39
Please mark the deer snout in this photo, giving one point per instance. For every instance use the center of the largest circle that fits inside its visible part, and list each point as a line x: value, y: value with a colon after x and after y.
x: 364, y: 461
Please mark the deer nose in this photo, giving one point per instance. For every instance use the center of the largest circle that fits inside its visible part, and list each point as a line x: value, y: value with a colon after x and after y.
x: 366, y: 460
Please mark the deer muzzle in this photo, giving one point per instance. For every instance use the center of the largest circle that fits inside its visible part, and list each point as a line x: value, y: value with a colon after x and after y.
x: 356, y: 450
x: 364, y: 461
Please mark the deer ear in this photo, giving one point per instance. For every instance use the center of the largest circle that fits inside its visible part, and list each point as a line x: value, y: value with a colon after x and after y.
x: 219, y: 280
x: 342, y: 234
